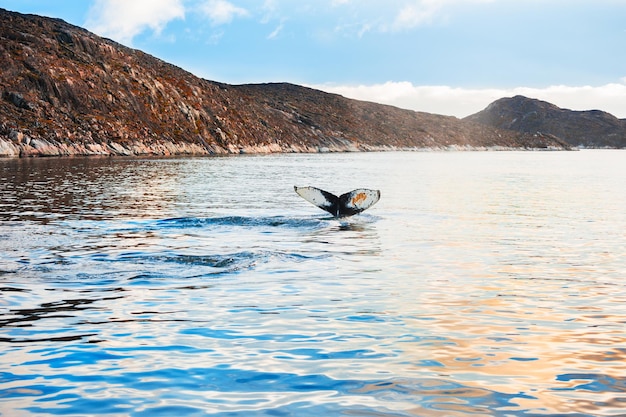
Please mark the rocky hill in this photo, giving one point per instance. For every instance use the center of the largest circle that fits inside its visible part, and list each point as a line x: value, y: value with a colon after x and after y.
x: 66, y: 91
x: 592, y: 129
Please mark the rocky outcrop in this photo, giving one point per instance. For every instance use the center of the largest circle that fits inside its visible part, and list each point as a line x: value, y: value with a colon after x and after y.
x: 66, y: 91
x: 591, y: 129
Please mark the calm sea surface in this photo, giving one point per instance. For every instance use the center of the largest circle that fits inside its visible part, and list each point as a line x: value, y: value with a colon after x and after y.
x: 481, y: 284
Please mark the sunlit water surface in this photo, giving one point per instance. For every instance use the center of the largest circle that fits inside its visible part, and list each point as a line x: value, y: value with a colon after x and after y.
x: 482, y: 284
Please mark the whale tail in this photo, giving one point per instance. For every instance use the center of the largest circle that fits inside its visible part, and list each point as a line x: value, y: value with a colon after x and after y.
x: 347, y: 204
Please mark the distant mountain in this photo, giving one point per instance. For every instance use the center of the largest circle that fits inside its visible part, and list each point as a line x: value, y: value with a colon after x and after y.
x: 66, y: 91
x: 593, y: 128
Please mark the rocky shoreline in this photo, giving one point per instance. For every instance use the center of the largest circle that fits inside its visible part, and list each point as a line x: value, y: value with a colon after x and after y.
x: 27, y: 147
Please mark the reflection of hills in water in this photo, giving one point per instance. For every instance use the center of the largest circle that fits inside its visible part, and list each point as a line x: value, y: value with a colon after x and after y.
x: 89, y: 188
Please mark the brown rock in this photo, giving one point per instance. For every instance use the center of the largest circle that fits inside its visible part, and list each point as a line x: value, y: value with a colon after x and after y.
x: 590, y: 129
x: 72, y: 92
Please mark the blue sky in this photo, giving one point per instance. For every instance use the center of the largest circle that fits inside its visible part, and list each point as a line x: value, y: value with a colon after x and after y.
x: 441, y: 56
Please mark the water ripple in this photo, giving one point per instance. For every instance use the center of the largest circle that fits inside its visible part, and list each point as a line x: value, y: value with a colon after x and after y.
x: 241, y: 221
x: 482, y: 284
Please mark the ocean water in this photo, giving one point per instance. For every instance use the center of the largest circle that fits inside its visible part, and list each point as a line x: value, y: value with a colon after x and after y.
x: 481, y: 284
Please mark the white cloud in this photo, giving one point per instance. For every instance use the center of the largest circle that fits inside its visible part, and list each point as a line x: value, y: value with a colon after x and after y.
x: 221, y: 12
x: 415, y: 14
x: 276, y: 31
x: 122, y: 20
x: 461, y: 102
x: 419, y: 12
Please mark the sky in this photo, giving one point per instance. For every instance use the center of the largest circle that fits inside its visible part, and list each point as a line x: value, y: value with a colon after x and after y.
x: 451, y: 57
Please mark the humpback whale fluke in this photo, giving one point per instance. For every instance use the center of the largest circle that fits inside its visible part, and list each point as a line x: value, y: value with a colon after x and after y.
x: 347, y: 204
